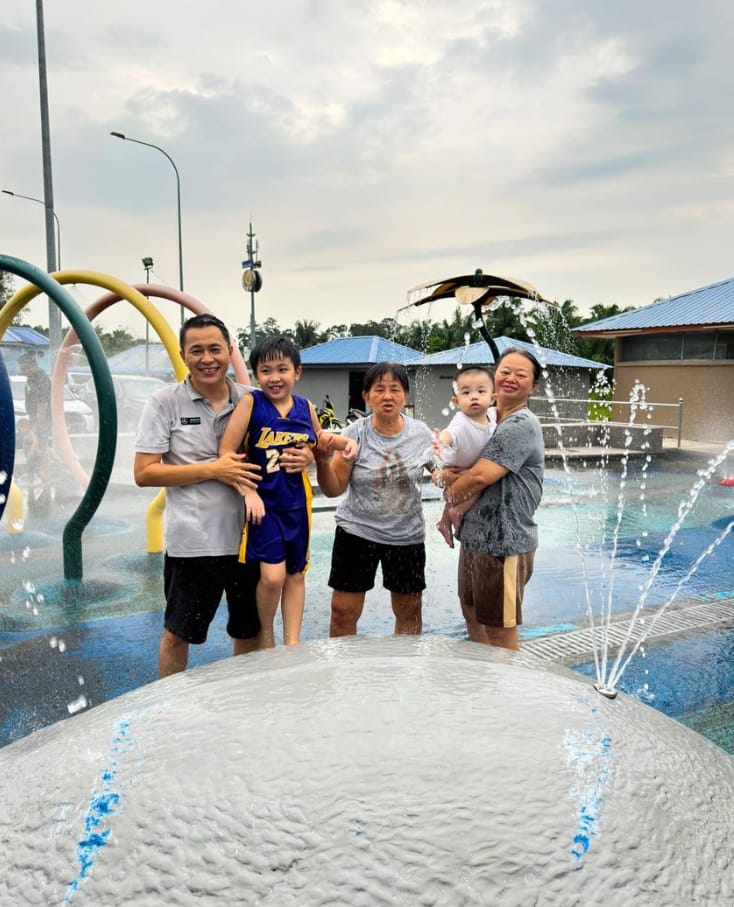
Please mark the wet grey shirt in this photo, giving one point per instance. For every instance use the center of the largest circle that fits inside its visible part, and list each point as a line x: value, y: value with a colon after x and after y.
x: 383, y: 498
x: 502, y: 521
x: 206, y: 518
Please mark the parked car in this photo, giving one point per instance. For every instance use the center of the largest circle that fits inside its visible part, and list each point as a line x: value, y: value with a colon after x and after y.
x: 78, y: 416
x: 132, y: 392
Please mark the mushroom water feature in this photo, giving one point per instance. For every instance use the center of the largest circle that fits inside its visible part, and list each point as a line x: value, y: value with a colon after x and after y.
x: 371, y: 771
x: 368, y: 771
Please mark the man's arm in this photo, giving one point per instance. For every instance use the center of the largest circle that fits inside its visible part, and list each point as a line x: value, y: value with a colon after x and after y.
x: 471, y: 481
x: 230, y: 469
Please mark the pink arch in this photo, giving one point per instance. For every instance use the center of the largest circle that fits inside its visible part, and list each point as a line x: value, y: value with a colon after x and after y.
x: 158, y: 291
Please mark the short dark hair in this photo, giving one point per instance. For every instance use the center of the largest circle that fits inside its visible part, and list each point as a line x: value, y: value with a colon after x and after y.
x: 380, y: 370
x: 274, y: 347
x: 206, y: 320
x: 529, y: 356
x: 484, y: 369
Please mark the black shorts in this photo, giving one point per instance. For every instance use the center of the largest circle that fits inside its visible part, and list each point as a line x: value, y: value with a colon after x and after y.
x: 194, y: 587
x: 354, y: 563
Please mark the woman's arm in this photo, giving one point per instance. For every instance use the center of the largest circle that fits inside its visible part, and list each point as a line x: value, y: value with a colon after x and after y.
x: 471, y: 481
x: 333, y: 474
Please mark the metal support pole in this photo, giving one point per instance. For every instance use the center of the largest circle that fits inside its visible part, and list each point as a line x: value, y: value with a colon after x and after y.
x: 54, y: 315
x: 126, y: 138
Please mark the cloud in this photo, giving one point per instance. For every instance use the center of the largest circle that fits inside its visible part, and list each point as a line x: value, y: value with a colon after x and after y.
x: 375, y: 144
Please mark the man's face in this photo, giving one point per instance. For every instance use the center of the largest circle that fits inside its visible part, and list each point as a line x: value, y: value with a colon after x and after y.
x: 206, y: 355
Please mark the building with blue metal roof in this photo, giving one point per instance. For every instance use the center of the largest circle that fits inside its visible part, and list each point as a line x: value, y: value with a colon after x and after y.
x: 681, y: 349
x: 18, y: 340
x: 337, y: 368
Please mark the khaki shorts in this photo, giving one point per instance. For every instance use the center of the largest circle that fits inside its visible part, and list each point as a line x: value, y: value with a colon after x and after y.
x: 494, y: 586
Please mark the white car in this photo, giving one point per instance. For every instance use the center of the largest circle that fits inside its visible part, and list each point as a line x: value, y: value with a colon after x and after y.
x: 78, y: 416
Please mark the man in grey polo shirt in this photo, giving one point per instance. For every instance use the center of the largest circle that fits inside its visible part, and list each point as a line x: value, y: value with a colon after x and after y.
x: 177, y: 446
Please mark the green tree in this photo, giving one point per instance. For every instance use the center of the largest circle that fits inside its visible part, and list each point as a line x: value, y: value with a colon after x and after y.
x: 307, y: 333
x: 552, y: 329
x: 116, y: 341
x: 7, y: 287
x: 599, y: 348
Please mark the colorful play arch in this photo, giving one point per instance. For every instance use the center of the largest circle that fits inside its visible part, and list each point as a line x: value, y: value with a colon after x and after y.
x: 82, y: 332
x: 107, y: 440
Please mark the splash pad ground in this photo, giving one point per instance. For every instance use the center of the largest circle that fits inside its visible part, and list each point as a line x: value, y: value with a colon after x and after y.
x: 365, y: 772
x: 67, y: 649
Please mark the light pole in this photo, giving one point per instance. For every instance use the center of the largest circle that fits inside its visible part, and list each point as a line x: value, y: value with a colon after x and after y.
x: 126, y: 138
x: 251, y: 278
x: 54, y: 314
x: 40, y: 201
x: 148, y: 265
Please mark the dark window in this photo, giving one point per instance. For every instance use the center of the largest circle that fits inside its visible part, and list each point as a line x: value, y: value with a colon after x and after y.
x: 699, y: 346
x: 652, y: 347
x: 725, y: 345
x: 675, y: 347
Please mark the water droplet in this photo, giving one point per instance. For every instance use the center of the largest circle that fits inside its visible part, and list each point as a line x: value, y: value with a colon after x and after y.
x: 77, y: 705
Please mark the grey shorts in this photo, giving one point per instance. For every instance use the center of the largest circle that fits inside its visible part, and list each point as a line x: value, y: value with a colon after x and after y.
x: 494, y: 586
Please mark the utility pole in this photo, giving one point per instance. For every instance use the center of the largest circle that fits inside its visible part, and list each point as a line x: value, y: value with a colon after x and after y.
x: 54, y: 315
x: 251, y: 278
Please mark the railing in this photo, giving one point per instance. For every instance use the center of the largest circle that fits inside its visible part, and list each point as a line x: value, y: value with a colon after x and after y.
x: 569, y: 410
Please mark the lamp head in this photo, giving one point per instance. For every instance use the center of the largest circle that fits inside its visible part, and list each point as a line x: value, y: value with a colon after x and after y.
x: 147, y: 263
x: 118, y: 135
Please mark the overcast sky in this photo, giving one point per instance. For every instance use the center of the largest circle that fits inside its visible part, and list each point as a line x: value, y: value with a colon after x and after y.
x: 584, y: 146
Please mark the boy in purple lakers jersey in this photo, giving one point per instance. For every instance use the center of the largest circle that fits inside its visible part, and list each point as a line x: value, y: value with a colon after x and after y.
x: 267, y: 424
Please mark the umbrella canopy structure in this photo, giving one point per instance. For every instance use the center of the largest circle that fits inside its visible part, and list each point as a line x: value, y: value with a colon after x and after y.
x: 471, y: 289
x: 479, y: 290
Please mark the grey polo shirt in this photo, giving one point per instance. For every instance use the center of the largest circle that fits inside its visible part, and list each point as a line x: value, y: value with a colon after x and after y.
x: 206, y: 518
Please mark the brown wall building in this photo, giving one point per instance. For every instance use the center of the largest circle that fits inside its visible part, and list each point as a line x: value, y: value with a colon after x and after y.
x: 680, y: 348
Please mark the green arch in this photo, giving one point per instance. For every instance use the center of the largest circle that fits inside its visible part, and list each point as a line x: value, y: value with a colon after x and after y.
x: 107, y: 439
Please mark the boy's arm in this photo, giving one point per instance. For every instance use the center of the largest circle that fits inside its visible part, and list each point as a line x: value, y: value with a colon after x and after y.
x: 330, y: 441
x: 234, y: 434
x: 254, y: 507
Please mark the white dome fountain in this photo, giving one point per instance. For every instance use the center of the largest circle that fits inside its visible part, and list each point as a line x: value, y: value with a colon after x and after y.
x: 407, y: 770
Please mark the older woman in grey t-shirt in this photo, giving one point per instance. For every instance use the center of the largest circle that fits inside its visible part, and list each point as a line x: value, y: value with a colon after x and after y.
x: 380, y: 519
x: 499, y: 535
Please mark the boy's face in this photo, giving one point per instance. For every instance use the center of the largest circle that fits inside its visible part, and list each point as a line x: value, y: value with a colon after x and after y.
x: 474, y: 393
x: 277, y: 378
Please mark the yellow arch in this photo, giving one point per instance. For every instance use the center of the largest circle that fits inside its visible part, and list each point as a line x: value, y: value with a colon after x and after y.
x: 25, y: 295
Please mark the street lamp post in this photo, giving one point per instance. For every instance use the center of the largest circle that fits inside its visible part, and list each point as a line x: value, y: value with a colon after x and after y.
x: 40, y: 201
x: 126, y: 138
x: 148, y: 265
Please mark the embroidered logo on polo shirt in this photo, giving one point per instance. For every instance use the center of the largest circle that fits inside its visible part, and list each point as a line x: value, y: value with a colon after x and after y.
x: 190, y: 420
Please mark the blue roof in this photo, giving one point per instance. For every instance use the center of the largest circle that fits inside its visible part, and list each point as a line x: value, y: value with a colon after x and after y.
x: 132, y: 362
x: 28, y: 336
x: 479, y: 354
x: 711, y: 305
x: 358, y: 351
